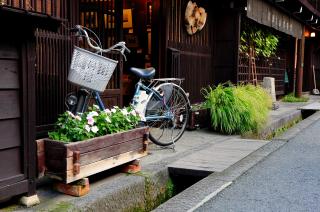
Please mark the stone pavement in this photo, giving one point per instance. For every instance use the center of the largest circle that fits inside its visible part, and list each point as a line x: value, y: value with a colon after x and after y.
x: 288, y: 180
x: 115, y: 191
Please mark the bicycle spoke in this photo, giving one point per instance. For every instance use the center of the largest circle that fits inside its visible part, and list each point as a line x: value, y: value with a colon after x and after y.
x: 167, y: 131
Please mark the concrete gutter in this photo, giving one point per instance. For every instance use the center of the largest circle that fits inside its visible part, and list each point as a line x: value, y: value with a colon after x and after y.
x: 199, y: 193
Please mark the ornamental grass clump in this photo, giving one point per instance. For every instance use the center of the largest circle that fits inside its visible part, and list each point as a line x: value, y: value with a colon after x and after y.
x: 292, y: 98
x: 258, y: 102
x: 94, y: 123
x: 237, y: 109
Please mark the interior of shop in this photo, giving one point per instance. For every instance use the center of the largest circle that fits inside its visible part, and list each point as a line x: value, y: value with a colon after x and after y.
x: 103, y: 18
x: 137, y: 34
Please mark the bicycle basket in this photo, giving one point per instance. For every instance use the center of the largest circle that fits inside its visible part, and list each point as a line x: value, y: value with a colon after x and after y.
x: 90, y: 70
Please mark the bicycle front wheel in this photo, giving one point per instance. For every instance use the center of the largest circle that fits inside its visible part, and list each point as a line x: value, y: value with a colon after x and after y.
x: 172, y: 110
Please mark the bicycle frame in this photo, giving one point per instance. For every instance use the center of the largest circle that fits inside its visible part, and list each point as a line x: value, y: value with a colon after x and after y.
x: 141, y: 87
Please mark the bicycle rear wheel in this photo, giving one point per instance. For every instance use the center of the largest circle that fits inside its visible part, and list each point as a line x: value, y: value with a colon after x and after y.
x: 175, y: 104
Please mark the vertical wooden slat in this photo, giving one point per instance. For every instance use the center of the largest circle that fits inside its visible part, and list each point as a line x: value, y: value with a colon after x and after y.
x: 54, y: 52
x: 194, y: 62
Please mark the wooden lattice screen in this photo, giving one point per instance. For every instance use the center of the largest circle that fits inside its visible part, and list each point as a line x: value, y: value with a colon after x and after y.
x: 271, y: 67
x: 54, y: 52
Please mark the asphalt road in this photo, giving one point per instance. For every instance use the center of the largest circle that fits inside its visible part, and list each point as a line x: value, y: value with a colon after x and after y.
x: 287, y: 180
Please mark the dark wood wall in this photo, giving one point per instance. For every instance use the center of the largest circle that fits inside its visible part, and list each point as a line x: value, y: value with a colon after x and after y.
x: 17, y: 121
x: 206, y: 58
x: 226, y: 45
x: 10, y: 115
x: 312, y: 57
x: 50, y: 7
x: 186, y: 56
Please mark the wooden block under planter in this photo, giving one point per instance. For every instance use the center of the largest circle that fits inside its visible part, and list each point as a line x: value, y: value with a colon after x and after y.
x: 77, y: 189
x: 69, y: 162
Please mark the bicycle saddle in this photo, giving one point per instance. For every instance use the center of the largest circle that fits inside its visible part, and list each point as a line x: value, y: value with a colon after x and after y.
x: 147, y: 73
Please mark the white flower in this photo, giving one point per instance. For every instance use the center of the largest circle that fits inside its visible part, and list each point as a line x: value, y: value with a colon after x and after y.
x: 108, y: 119
x: 87, y: 128
x: 96, y: 107
x: 94, y: 129
x: 124, y: 112
x: 107, y: 111
x: 113, y: 110
x: 92, y: 114
x: 78, y: 118
x: 116, y: 107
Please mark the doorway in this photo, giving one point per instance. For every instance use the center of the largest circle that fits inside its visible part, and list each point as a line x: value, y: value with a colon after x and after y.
x: 104, y: 18
x: 114, y: 21
x: 137, y: 33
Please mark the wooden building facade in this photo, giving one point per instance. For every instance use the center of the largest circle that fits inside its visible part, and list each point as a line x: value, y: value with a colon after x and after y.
x: 155, y: 32
x: 17, y: 97
x: 294, y: 22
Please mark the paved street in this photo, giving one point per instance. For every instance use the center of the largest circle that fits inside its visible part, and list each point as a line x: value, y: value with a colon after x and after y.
x: 288, y: 180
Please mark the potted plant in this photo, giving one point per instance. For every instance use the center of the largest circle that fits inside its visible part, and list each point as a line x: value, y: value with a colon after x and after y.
x: 82, y: 145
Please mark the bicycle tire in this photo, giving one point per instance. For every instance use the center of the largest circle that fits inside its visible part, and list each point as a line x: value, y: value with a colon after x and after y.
x: 175, y: 97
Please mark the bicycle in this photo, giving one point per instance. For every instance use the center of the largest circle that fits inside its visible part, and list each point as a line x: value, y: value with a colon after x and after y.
x: 161, y: 103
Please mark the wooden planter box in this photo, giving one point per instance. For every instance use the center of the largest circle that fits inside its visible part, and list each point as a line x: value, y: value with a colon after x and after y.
x: 69, y: 162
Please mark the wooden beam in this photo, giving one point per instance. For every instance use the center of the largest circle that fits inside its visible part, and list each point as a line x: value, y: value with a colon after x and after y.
x: 300, y: 66
x: 295, y: 65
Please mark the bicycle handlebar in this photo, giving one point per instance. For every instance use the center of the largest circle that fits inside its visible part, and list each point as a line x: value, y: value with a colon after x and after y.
x: 119, y: 47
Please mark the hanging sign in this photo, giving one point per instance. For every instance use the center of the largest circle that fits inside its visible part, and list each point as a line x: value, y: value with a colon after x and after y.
x: 195, y: 18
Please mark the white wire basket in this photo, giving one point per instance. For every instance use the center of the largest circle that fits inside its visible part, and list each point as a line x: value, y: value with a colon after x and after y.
x: 90, y: 70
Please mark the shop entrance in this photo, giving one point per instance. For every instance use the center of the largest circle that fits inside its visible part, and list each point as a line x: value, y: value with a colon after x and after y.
x: 114, y: 21
x: 137, y: 34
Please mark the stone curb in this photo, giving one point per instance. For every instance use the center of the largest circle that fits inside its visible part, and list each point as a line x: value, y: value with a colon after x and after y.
x: 196, y: 195
x: 292, y: 132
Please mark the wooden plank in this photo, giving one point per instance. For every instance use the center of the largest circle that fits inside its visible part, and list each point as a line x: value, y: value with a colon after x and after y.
x: 56, y: 150
x: 116, y: 138
x: 99, y: 166
x: 10, y: 133
x: 9, y: 104
x: 8, y: 50
x: 10, y: 161
x: 62, y: 164
x: 14, y: 189
x: 28, y: 110
x: 98, y: 143
x: 9, y: 72
x: 10, y: 180
x: 40, y: 145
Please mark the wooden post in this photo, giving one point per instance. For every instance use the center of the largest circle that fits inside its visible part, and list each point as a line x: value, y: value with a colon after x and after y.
x: 300, y: 66
x: 295, y: 65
